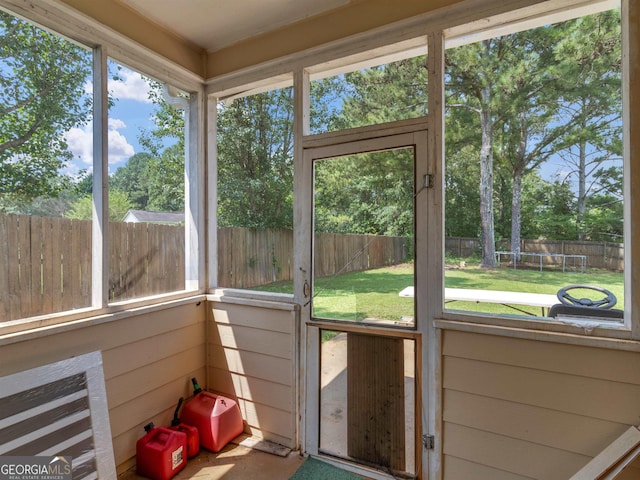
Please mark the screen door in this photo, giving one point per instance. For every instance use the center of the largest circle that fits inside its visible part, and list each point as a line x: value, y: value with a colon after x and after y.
x: 363, y: 335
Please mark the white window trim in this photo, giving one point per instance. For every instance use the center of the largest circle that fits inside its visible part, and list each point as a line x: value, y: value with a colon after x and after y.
x: 402, y: 35
x: 36, y: 327
x: 64, y: 21
x: 68, y: 22
x: 533, y: 17
x: 100, y: 214
x: 457, y: 24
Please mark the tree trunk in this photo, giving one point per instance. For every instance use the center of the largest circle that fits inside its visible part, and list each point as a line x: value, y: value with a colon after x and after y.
x: 516, y: 188
x: 582, y: 189
x: 516, y: 213
x: 486, y: 183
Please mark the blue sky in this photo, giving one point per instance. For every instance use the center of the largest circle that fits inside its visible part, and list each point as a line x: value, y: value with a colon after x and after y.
x: 131, y: 113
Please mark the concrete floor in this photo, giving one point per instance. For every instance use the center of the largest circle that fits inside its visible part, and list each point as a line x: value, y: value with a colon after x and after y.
x: 333, y: 400
x: 234, y: 462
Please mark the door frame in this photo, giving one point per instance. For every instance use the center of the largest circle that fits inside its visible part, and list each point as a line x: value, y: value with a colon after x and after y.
x: 427, y: 190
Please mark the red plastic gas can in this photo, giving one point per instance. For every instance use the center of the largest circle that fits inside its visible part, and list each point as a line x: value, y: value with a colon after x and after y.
x: 161, y: 453
x: 193, y: 437
x: 217, y: 419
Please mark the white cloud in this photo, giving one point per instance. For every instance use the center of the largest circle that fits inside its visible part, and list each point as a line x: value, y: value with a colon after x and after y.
x: 119, y: 148
x: 73, y: 170
x: 116, y: 124
x: 130, y: 86
x: 80, y: 141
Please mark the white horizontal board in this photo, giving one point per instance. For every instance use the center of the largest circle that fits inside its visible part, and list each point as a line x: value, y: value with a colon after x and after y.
x: 260, y: 391
x: 254, y: 364
x: 458, y: 468
x: 142, y: 381
x: 602, y: 363
x: 253, y: 317
x: 250, y: 339
x: 266, y: 418
x: 510, y: 455
x: 543, y: 426
x: 125, y: 357
x: 605, y: 400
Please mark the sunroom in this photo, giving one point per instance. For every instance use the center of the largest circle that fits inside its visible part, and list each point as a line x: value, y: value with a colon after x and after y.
x: 360, y: 217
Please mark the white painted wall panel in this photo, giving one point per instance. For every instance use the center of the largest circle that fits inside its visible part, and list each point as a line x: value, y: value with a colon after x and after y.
x: 532, y: 409
x: 252, y: 358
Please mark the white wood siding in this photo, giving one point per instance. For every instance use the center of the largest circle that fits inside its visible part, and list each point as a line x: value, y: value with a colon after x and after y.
x: 520, y: 409
x: 148, y: 361
x: 252, y: 357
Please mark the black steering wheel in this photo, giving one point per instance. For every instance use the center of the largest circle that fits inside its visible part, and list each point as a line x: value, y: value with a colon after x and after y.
x: 607, y: 302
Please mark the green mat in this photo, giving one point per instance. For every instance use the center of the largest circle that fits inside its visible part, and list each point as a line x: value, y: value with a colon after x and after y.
x: 313, y: 469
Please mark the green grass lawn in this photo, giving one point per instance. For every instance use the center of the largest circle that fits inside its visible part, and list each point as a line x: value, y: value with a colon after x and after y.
x: 374, y: 293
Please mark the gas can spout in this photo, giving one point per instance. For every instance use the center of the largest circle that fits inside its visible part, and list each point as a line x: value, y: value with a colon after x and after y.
x: 196, y: 387
x: 176, y: 418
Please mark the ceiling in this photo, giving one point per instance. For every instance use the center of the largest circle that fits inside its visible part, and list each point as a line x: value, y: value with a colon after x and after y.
x: 215, y: 24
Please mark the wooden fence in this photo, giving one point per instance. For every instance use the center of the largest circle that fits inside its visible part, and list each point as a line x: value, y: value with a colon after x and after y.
x: 145, y: 259
x: 45, y: 265
x: 605, y: 255
x: 45, y: 262
x: 250, y: 257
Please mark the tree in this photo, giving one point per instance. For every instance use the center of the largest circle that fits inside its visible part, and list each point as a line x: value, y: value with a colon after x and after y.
x: 83, y: 184
x: 255, y: 161
x: 462, y: 170
x: 603, y: 216
x: 529, y: 129
x: 462, y: 197
x: 504, y: 81
x: 326, y: 103
x: 554, y: 214
x: 372, y: 193
x: 169, y: 122
x: 537, y: 93
x: 592, y: 103
x: 42, y: 79
x: 119, y: 205
x: 471, y: 83
x: 165, y: 195
x: 133, y: 179
x: 386, y: 93
x: 155, y: 181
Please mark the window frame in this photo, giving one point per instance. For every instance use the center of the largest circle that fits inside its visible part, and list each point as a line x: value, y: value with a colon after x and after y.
x: 439, y: 27
x: 272, y: 84
x: 67, y: 23
x: 508, y: 23
x: 441, y: 31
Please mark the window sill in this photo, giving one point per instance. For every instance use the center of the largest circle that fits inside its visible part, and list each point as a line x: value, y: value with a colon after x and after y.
x: 617, y: 336
x: 253, y: 298
x: 34, y: 327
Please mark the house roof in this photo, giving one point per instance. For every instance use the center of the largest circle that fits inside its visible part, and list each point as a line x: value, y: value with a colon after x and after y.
x: 153, y: 217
